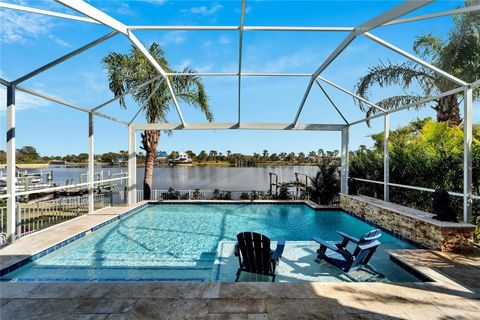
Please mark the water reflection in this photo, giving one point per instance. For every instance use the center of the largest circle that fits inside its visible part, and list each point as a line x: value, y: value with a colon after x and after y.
x: 233, y: 179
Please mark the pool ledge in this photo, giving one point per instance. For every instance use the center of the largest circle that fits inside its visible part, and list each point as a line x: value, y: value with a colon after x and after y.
x: 309, y: 203
x: 411, y: 224
x: 35, y: 245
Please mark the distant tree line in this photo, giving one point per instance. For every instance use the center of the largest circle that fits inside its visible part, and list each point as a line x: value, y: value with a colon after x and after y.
x: 29, y: 154
x: 264, y: 157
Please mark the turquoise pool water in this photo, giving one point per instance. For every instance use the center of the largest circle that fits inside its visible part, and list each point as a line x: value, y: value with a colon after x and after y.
x: 179, y: 242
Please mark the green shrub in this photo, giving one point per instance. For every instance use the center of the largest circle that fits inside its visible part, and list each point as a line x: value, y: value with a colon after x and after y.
x: 171, y: 194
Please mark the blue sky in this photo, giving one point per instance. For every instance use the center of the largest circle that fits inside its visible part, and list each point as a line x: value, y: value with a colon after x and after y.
x: 29, y: 41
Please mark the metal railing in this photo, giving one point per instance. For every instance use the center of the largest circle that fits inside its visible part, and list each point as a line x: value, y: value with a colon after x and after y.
x: 456, y: 194
x: 197, y: 194
x: 35, y: 216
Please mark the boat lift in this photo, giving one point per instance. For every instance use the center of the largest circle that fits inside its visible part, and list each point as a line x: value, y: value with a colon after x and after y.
x: 300, y: 183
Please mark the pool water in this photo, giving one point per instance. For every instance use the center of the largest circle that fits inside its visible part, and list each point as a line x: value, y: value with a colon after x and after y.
x: 178, y: 242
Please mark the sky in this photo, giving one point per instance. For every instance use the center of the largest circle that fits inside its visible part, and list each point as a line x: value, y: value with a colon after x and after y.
x: 28, y: 41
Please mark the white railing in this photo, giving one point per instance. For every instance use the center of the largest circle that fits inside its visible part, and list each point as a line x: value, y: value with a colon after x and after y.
x: 197, y: 194
x: 34, y: 216
x: 456, y: 194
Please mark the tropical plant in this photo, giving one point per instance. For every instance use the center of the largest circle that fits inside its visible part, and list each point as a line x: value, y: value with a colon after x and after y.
x: 244, y: 196
x: 171, y: 194
x: 284, y: 193
x: 221, y: 195
x: 325, y: 186
x: 425, y: 153
x: 197, y: 195
x: 459, y: 55
x: 126, y: 72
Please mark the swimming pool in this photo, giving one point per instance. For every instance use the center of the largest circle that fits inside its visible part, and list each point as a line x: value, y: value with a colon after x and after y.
x: 178, y: 242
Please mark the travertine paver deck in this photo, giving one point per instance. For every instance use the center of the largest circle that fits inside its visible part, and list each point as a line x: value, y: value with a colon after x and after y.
x: 36, y: 242
x: 456, y: 268
x: 235, y: 301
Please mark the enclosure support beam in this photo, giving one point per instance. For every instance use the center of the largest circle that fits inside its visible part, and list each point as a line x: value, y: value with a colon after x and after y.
x: 46, y: 12
x: 467, y: 154
x: 386, y: 158
x: 434, y: 15
x: 240, y: 53
x: 389, y: 15
x: 91, y: 164
x: 11, y: 165
x: 334, y: 105
x: 132, y: 167
x: 65, y: 57
x: 344, y: 161
x: 333, y: 84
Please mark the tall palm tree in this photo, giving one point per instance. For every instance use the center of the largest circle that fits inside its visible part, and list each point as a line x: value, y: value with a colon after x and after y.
x: 128, y: 71
x: 458, y: 55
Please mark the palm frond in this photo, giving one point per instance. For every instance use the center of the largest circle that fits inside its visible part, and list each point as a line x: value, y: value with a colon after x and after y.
x: 126, y: 72
x: 428, y: 47
x: 384, y: 75
x: 190, y: 89
x: 396, y: 102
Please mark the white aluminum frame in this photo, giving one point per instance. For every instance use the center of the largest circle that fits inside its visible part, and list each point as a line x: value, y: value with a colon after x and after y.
x: 93, y: 15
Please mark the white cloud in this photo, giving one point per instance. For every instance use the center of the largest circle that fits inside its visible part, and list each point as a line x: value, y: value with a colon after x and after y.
x: 157, y: 2
x: 18, y: 27
x: 224, y: 40
x: 23, y: 101
x: 175, y: 37
x: 203, y: 10
x: 59, y: 41
x: 285, y: 63
x: 183, y: 65
x: 188, y: 63
x: 95, y: 81
x: 204, y: 68
x: 122, y: 9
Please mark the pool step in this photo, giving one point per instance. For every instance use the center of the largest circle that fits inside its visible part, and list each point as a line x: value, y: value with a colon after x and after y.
x: 140, y: 261
x: 106, y: 273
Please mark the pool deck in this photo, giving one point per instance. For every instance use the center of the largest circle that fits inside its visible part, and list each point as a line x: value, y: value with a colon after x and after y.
x: 454, y: 293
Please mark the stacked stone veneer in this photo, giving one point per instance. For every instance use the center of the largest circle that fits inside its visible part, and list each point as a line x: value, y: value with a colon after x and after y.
x: 414, y: 225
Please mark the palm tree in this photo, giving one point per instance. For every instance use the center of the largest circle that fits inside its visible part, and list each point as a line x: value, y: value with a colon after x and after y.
x: 128, y: 71
x: 265, y: 154
x: 458, y: 55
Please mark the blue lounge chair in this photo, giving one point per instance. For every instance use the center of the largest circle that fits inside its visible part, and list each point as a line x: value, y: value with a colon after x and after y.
x: 254, y: 254
x: 338, y: 255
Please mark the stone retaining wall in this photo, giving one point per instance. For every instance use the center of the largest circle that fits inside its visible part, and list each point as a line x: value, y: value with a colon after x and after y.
x: 414, y: 225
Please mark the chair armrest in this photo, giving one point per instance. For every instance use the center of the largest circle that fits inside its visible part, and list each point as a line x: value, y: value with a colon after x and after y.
x: 369, y: 246
x: 332, y: 247
x: 277, y: 254
x: 236, y: 250
x: 349, y: 237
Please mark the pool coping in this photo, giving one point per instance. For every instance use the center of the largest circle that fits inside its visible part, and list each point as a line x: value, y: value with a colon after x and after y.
x: 42, y: 252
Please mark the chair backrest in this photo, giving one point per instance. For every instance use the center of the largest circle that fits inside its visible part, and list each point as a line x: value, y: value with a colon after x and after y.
x: 255, y: 252
x: 370, y: 236
x: 365, y: 249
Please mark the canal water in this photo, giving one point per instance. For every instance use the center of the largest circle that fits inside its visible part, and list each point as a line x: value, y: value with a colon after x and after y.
x: 192, y: 177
